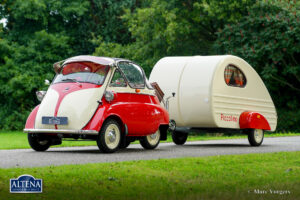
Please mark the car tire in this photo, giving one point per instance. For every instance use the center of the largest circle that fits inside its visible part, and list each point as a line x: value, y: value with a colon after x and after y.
x: 124, y: 146
x: 179, y: 137
x: 38, y: 143
x: 255, y: 136
x: 151, y: 141
x: 109, y: 138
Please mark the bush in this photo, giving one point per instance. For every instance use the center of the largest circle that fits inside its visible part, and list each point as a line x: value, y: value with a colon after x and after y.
x: 269, y: 39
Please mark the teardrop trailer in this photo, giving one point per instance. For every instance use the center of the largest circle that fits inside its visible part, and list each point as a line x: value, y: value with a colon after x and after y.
x: 108, y: 100
x: 214, y: 94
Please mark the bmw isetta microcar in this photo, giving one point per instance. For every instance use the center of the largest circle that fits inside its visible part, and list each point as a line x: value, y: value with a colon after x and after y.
x: 108, y: 100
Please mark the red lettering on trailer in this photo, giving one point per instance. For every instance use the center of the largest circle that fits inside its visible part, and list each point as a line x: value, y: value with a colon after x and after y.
x: 229, y: 118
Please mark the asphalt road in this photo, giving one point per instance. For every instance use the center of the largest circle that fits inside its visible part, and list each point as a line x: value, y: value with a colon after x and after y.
x: 81, y: 155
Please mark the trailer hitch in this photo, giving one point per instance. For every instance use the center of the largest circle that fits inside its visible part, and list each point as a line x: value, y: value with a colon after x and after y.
x: 167, y: 100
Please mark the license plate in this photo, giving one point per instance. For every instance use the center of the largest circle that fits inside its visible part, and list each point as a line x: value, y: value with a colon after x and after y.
x: 55, y: 120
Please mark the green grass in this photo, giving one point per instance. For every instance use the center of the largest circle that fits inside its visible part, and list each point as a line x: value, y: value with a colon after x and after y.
x: 217, y: 177
x: 18, y: 139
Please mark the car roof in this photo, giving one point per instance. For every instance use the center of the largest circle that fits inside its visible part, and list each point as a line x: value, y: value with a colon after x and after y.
x: 94, y: 59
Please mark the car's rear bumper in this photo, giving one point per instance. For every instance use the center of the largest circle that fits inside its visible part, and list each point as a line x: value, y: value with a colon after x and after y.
x: 62, y: 131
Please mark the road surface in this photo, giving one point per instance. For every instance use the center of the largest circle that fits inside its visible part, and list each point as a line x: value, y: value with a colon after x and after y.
x: 91, y: 154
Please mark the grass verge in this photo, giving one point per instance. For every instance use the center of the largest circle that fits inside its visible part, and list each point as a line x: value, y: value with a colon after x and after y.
x: 18, y: 139
x: 217, y: 177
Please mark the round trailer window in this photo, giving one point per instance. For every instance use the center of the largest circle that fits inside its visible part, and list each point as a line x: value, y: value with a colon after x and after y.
x: 234, y: 76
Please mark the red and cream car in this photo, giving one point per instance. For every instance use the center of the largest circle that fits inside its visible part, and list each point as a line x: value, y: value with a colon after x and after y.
x: 108, y: 100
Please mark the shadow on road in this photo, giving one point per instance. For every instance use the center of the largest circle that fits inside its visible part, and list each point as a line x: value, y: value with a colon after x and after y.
x: 158, y: 150
x: 97, y: 151
x: 222, y: 145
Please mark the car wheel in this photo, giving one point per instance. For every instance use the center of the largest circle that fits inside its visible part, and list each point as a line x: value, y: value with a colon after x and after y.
x: 255, y: 136
x: 38, y: 143
x: 151, y: 141
x: 179, y: 138
x: 109, y: 137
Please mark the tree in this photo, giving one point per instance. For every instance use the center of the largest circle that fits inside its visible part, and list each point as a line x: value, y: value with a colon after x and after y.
x: 24, y: 73
x: 170, y: 28
x: 80, y: 20
x: 269, y: 39
x: 41, y: 32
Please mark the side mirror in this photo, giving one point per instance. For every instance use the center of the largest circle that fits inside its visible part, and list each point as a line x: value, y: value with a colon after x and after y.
x: 47, y: 82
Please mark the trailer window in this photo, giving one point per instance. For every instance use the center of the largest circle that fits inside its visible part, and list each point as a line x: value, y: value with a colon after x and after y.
x: 234, y: 76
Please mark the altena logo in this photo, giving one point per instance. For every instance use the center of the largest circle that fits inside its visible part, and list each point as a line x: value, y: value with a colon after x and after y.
x: 26, y: 184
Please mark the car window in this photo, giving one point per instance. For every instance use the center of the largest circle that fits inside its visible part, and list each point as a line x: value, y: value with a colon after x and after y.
x: 234, y: 76
x: 118, y: 80
x: 85, y: 72
x: 133, y: 74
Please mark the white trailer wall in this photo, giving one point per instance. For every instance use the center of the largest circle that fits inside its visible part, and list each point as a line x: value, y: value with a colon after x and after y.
x: 202, y: 95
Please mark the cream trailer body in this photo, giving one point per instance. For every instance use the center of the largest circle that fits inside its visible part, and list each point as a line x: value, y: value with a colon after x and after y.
x: 215, y: 92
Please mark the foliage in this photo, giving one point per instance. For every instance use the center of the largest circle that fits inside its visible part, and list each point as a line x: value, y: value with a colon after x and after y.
x: 24, y: 73
x: 269, y: 39
x: 41, y: 32
x: 80, y: 20
x: 169, y: 28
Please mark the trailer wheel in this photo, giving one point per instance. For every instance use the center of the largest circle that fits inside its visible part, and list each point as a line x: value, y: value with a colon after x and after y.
x: 109, y: 138
x: 255, y: 136
x: 151, y: 141
x: 38, y: 143
x: 179, y: 138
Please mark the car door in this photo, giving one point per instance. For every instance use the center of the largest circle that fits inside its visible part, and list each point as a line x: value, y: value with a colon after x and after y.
x: 132, y: 103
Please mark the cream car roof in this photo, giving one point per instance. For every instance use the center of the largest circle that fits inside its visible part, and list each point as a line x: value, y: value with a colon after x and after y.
x: 94, y: 59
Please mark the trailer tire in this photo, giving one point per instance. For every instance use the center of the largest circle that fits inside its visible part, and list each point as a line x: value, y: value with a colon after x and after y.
x: 38, y: 143
x: 150, y: 141
x: 255, y: 137
x: 179, y: 137
x: 109, y: 138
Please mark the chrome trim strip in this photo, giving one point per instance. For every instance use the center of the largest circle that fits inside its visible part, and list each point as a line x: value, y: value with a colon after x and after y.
x: 63, y: 131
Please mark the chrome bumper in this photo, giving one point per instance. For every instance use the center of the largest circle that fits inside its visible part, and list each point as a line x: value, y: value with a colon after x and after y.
x: 62, y: 131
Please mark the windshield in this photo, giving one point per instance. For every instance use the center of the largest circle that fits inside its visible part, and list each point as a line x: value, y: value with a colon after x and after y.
x: 84, y: 72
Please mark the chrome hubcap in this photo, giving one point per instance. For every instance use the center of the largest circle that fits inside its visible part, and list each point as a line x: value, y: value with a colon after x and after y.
x: 112, y: 136
x: 258, y: 135
x: 43, y: 142
x: 154, y: 138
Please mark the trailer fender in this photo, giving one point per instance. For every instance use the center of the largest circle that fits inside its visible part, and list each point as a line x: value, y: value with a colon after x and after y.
x: 253, y: 120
